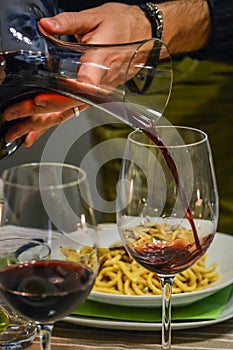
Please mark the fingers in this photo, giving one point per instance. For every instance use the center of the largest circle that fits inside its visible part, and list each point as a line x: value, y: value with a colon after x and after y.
x: 41, y: 104
x: 36, y: 125
x: 71, y: 22
x: 33, y: 136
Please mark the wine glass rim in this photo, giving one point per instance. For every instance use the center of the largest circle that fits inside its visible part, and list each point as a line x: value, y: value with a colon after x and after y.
x: 147, y: 141
x: 77, y: 181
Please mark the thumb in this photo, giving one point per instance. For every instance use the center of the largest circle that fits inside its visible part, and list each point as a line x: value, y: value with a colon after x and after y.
x: 70, y: 23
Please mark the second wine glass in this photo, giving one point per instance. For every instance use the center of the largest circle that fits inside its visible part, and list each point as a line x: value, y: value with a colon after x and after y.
x: 167, y: 204
x: 49, y: 205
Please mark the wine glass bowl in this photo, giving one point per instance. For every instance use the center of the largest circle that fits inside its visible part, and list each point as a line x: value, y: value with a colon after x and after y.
x: 167, y: 203
x: 51, y: 245
x: 15, y: 254
x: 39, y: 282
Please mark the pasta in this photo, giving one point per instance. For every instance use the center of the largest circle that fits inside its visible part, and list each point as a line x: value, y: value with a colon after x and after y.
x: 120, y: 274
x: 86, y: 255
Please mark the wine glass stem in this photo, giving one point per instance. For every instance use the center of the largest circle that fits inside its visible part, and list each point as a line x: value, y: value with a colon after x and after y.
x: 45, y: 332
x: 166, y: 312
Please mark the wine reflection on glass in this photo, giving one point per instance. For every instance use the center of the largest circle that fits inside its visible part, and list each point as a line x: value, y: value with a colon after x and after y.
x: 49, y: 205
x: 167, y: 204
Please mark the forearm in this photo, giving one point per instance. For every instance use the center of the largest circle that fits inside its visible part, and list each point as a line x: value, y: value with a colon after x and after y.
x: 187, y: 25
x: 202, y: 28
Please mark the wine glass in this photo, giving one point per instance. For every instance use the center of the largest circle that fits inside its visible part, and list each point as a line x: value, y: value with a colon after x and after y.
x: 167, y: 204
x: 47, y: 203
x: 16, y: 332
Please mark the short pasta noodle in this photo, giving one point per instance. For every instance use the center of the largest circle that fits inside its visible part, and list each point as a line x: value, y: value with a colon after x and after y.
x: 120, y: 274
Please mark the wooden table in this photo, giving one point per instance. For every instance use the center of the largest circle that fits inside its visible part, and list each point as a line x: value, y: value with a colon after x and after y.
x: 73, y: 337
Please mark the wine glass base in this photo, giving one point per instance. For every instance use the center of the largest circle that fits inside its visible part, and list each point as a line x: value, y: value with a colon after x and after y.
x: 18, y: 334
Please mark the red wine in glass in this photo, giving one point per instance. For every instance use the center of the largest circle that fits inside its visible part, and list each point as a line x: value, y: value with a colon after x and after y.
x: 165, y: 259
x: 46, y: 290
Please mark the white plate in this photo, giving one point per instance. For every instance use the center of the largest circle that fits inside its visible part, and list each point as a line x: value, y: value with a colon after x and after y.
x: 219, y: 252
x: 226, y: 314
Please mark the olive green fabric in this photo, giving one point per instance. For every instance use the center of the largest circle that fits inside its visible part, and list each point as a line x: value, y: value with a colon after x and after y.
x: 202, y: 97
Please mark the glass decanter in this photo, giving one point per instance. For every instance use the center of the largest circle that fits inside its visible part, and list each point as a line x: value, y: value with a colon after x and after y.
x: 134, y: 85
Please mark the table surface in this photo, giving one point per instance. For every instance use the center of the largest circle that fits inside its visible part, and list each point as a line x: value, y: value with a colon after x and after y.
x: 69, y: 336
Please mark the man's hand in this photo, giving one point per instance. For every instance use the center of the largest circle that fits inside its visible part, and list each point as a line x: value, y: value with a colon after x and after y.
x: 39, y: 114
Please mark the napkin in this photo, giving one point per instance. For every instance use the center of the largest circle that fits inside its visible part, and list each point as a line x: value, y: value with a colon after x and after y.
x: 209, y: 308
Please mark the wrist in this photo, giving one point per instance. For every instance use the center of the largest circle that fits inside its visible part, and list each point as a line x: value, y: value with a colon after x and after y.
x: 155, y: 17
